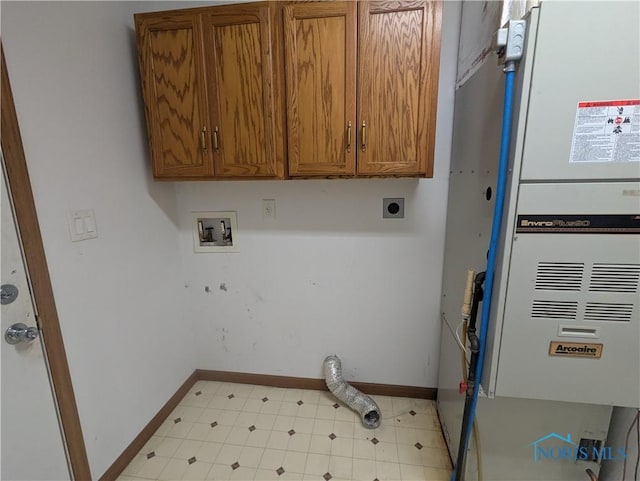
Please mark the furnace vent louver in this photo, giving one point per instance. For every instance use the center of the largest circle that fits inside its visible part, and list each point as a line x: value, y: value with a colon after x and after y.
x: 559, y: 276
x: 603, y: 311
x: 554, y: 309
x: 623, y: 278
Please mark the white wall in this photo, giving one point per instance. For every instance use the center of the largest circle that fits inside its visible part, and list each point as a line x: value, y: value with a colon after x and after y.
x: 74, y: 77
x: 329, y: 275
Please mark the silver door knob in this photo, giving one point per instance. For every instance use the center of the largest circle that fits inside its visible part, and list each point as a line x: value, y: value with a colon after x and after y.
x: 20, y: 332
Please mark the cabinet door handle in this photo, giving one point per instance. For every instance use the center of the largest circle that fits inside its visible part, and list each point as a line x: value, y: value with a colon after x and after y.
x: 349, y: 137
x: 203, y: 139
x: 364, y: 135
x: 215, y: 138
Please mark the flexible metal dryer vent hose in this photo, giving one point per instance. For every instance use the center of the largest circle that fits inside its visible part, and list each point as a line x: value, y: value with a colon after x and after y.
x: 359, y: 402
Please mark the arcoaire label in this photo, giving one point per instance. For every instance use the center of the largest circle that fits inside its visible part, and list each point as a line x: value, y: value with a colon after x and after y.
x: 575, y: 349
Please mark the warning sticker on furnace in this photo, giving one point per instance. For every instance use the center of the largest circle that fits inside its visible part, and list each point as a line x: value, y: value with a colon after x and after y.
x: 606, y: 131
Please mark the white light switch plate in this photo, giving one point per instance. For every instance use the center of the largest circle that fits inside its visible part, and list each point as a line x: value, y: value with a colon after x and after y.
x: 82, y: 225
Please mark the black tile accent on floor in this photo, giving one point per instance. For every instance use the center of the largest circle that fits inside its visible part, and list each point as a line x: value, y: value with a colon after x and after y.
x: 235, y: 465
x: 252, y: 428
x: 214, y: 424
x: 375, y: 441
x: 191, y: 460
x: 418, y: 445
x: 280, y: 471
x: 177, y: 420
x: 291, y: 432
x: 336, y: 405
x: 412, y: 412
x: 230, y: 396
x: 327, y: 476
x: 151, y: 455
x: 265, y: 399
x: 332, y: 436
x: 300, y: 403
x: 198, y: 393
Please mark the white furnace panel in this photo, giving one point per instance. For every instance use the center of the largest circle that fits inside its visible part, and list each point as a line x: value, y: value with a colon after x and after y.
x: 585, y: 52
x: 572, y: 322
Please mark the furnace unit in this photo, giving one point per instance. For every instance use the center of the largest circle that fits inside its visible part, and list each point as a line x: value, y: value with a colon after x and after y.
x: 564, y: 331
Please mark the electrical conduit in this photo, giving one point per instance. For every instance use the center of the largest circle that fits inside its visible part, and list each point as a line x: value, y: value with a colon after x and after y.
x: 496, y: 227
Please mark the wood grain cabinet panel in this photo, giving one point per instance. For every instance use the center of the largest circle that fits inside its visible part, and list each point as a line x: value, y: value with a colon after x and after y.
x: 320, y: 43
x: 238, y: 45
x: 399, y: 45
x: 173, y: 86
x: 209, y: 89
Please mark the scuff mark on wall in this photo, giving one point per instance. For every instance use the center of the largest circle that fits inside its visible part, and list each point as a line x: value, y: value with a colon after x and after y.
x: 257, y: 297
x: 223, y: 287
x: 206, y: 289
x: 223, y: 337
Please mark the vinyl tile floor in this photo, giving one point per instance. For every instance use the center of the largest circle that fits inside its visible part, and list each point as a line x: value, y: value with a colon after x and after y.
x: 225, y: 431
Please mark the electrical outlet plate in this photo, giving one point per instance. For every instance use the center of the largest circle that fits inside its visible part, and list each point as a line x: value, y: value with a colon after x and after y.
x: 269, y: 209
x: 393, y: 208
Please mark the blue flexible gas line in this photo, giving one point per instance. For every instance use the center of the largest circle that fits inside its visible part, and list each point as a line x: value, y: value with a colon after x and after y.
x: 496, y: 227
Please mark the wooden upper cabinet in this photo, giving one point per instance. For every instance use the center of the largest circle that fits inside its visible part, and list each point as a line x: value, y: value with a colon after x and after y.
x: 398, y: 54
x: 173, y: 87
x: 398, y: 64
x: 239, y: 68
x: 213, y: 82
x: 209, y: 88
x: 320, y: 73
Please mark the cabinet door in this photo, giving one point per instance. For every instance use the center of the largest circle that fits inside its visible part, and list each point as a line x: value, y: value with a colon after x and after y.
x: 320, y: 46
x: 398, y: 62
x: 173, y: 87
x: 238, y: 45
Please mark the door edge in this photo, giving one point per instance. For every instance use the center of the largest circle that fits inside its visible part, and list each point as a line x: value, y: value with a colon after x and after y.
x: 36, y: 264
